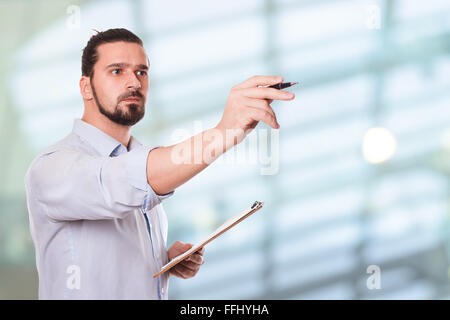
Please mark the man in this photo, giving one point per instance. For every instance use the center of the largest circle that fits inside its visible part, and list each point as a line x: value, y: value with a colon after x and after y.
x: 94, y: 197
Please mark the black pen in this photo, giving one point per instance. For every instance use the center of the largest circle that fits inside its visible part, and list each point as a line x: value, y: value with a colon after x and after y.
x: 283, y: 85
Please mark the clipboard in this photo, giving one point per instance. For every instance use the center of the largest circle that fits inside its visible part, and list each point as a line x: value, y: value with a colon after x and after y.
x: 227, y: 225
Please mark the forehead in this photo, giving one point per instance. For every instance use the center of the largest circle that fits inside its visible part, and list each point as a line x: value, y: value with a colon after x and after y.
x: 121, y: 52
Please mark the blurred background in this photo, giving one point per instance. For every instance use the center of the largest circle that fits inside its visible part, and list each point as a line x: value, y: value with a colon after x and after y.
x: 362, y: 187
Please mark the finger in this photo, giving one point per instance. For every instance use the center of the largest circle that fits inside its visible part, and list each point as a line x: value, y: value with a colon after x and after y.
x: 184, y: 271
x: 272, y: 116
x: 267, y: 93
x: 190, y: 265
x: 183, y: 248
x: 178, y: 243
x: 256, y: 103
x: 196, y: 258
x: 268, y: 109
x: 264, y: 116
x: 259, y: 81
x: 178, y: 248
x: 260, y: 104
x: 176, y: 273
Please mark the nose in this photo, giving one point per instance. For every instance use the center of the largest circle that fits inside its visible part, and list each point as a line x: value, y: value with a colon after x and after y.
x: 133, y: 82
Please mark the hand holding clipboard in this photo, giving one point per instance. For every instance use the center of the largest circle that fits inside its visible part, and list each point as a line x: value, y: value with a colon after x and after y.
x: 220, y: 230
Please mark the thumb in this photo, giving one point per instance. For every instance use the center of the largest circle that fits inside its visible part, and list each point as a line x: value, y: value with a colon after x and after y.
x: 178, y: 248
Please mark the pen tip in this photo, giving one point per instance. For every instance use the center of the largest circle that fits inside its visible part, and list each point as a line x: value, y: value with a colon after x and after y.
x: 294, y: 83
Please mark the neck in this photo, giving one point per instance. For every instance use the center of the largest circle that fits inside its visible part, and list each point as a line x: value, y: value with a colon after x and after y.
x: 119, y: 132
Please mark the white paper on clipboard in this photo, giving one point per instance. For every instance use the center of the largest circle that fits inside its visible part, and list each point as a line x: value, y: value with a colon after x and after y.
x: 221, y: 229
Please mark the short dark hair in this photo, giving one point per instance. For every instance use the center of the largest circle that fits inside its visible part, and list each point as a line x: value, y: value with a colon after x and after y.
x: 90, y: 54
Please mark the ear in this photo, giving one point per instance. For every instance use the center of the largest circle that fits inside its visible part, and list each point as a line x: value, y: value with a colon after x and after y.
x: 85, y: 88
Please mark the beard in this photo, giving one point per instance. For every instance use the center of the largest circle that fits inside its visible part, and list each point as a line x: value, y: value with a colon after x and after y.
x: 125, y: 118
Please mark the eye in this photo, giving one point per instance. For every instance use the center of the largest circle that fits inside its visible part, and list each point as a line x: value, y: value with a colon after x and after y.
x: 115, y: 71
x: 142, y: 73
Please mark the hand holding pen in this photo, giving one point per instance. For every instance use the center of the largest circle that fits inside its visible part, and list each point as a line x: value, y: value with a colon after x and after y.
x: 280, y: 86
x: 249, y: 102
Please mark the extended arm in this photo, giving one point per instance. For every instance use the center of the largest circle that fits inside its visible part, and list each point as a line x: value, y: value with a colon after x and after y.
x: 247, y: 104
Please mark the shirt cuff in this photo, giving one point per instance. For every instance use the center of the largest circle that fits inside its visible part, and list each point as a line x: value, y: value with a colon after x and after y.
x: 136, y: 168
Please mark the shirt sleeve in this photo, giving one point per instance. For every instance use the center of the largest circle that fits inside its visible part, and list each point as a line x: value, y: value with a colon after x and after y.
x: 136, y: 167
x: 72, y: 185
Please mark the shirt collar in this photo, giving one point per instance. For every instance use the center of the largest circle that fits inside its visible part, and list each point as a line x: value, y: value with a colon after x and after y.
x: 101, y: 142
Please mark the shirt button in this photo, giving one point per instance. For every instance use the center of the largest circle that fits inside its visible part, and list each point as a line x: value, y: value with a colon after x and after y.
x: 162, y: 290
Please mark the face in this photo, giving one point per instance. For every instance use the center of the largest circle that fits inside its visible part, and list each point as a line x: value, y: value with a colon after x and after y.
x: 120, y: 82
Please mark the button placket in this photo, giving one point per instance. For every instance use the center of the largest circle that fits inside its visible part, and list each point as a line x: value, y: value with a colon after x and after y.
x: 155, y: 241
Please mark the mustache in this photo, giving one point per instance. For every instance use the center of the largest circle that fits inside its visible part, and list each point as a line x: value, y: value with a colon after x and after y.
x: 130, y: 94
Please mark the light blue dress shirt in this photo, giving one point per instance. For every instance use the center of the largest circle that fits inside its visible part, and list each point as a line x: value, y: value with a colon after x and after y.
x: 99, y: 229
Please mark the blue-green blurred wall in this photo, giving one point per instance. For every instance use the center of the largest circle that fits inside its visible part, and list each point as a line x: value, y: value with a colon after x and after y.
x: 329, y: 213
